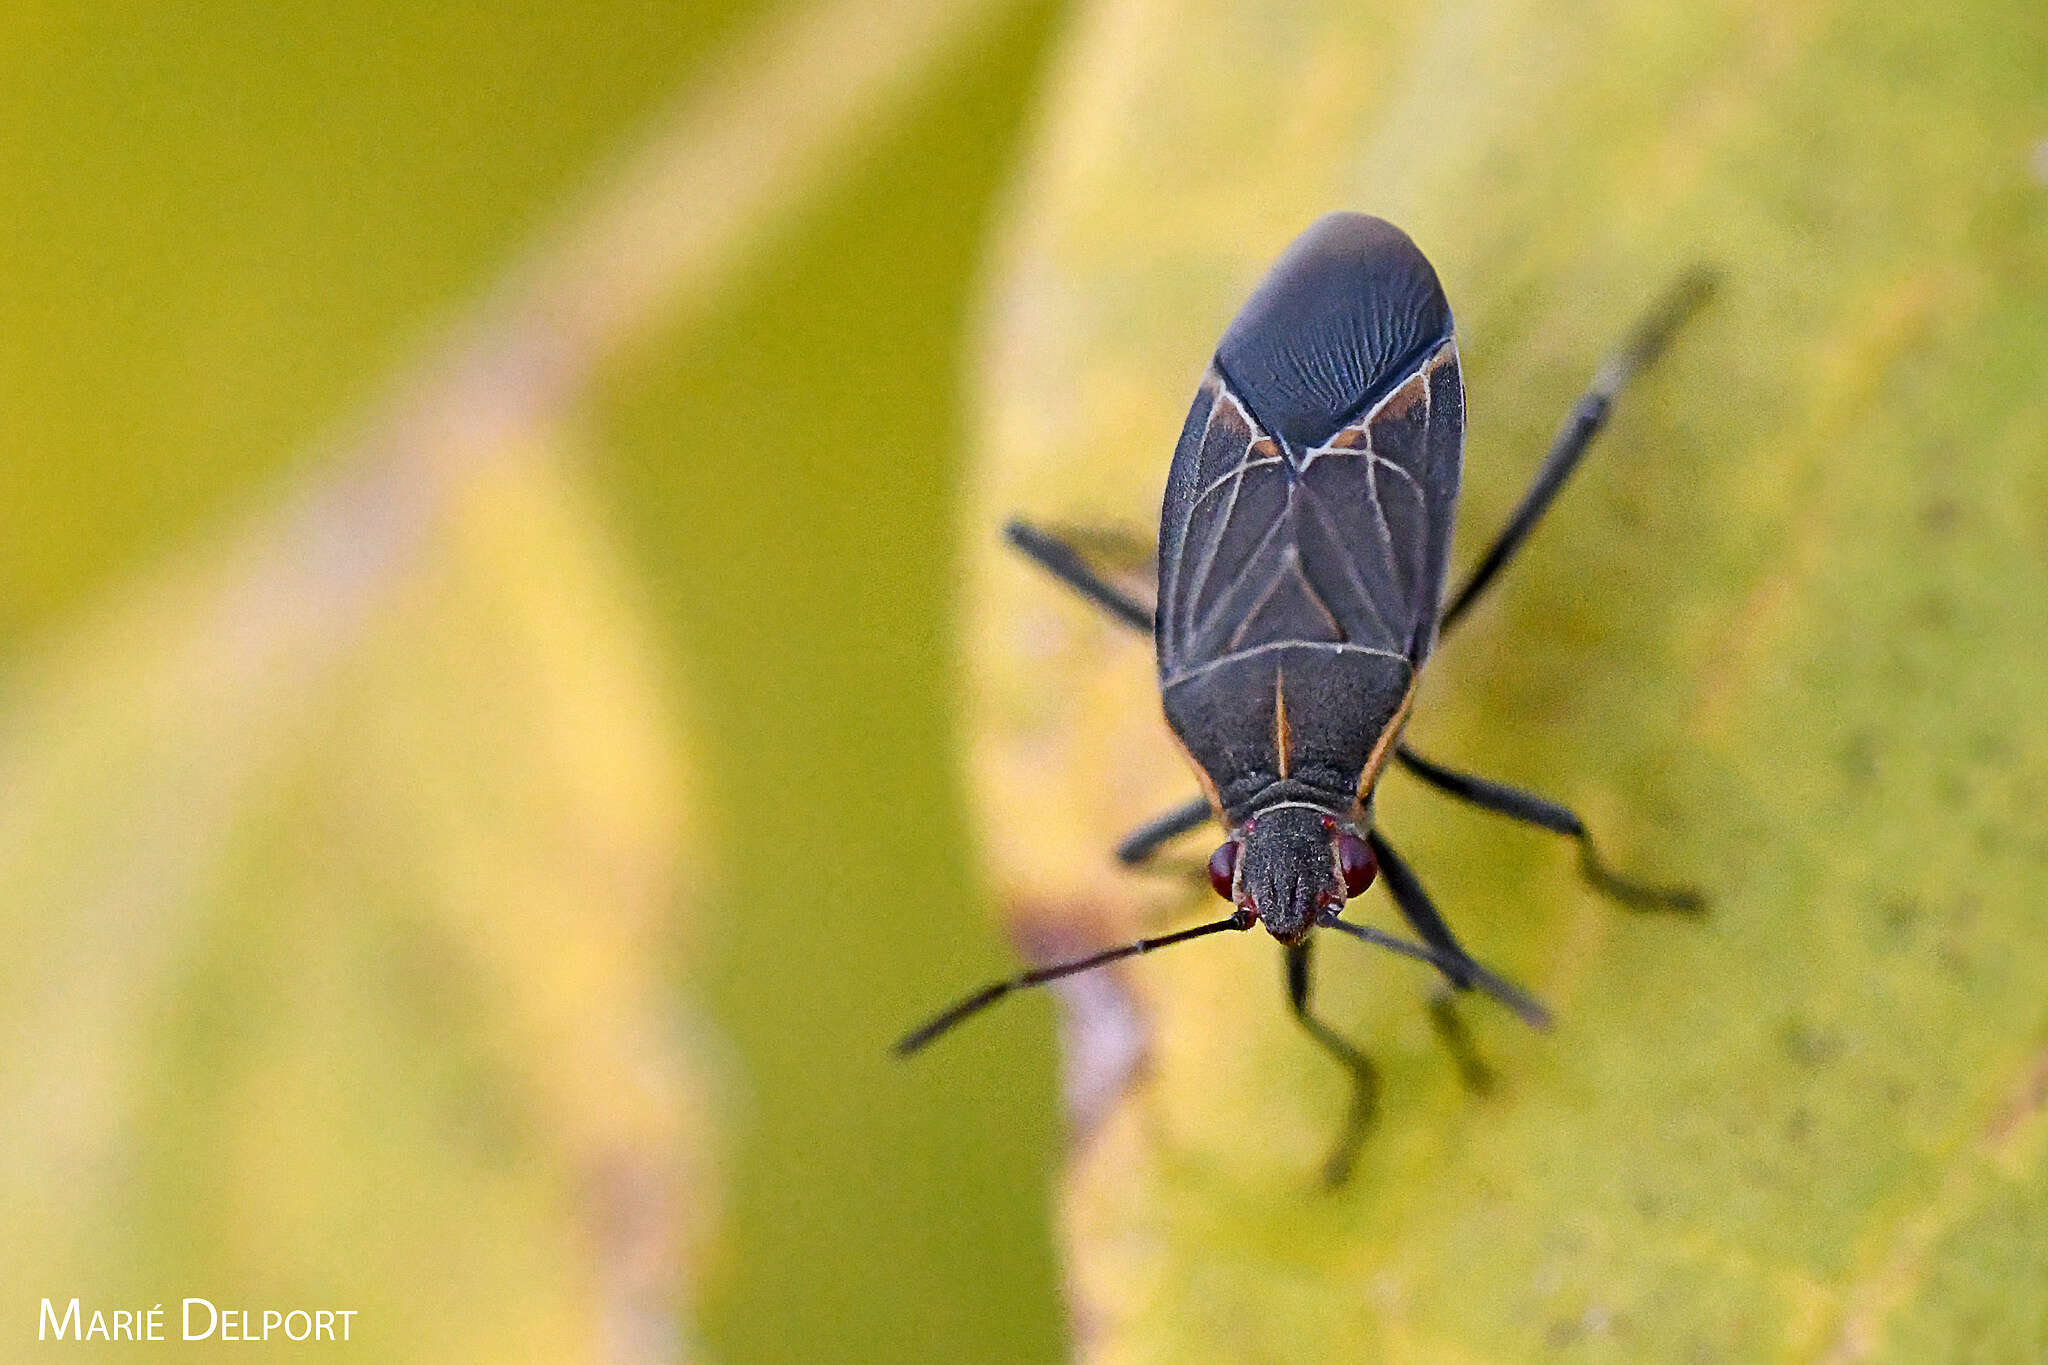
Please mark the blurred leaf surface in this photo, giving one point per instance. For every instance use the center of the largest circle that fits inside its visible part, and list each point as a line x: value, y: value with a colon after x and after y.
x: 1781, y: 637
x: 345, y: 846
x: 226, y: 225
x: 342, y: 940
x: 786, y: 478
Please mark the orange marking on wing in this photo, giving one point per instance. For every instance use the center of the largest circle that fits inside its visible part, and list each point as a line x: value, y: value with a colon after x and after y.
x: 1385, y: 744
x: 1283, y: 734
x: 1401, y: 400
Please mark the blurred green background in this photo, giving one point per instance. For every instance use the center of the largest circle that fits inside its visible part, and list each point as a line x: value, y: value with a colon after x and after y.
x: 501, y: 643
x: 376, y: 932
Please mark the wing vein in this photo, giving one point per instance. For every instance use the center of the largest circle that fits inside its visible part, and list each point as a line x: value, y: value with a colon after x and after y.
x: 1229, y: 511
x: 1365, y: 594
x: 1327, y: 646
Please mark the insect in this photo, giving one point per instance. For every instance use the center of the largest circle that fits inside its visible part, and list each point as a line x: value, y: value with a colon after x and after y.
x: 1302, y: 559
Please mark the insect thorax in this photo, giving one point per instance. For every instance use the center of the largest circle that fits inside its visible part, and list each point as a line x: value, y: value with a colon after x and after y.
x: 1291, y: 724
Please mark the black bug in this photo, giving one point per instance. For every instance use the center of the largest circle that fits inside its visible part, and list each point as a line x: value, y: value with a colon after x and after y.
x: 1302, y: 559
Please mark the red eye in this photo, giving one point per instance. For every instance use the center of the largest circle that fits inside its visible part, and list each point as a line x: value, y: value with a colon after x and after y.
x: 1355, y: 861
x: 1223, y: 868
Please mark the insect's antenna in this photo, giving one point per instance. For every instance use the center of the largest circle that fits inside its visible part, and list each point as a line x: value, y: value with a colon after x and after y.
x: 1038, y: 976
x: 1507, y: 992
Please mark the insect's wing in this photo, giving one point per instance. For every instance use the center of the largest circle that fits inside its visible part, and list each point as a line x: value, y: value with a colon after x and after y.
x: 1299, y: 586
x: 1382, y: 495
x: 1343, y: 545
x: 1222, y: 507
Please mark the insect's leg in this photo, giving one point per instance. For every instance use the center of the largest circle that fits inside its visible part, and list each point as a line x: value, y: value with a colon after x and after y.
x: 1421, y: 914
x: 1589, y: 415
x: 1532, y: 809
x: 1365, y: 1077
x: 1065, y: 563
x: 1111, y: 548
x: 1147, y: 839
x: 1450, y: 1029
x: 1444, y: 1018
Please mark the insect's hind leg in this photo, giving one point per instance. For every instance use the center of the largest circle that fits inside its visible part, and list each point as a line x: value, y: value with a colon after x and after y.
x: 1532, y: 809
x: 1588, y: 416
x: 1060, y: 559
x: 1365, y: 1077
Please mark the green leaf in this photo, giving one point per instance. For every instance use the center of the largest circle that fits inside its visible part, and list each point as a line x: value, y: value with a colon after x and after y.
x: 1782, y: 637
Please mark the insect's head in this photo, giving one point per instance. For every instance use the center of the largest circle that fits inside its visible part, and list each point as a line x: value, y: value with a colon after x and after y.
x: 1289, y: 864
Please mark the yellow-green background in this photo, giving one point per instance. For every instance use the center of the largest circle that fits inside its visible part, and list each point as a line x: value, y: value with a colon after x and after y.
x: 477, y: 887
x: 231, y: 231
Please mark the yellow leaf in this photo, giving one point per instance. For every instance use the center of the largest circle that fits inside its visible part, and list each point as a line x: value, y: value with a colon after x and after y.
x: 1781, y: 637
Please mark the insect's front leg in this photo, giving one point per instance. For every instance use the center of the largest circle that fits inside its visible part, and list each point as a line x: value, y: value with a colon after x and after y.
x: 1420, y: 912
x: 1365, y: 1077
x: 1474, y: 1072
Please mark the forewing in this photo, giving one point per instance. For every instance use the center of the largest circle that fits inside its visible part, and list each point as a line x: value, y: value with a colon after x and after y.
x: 1213, y: 512
x: 1388, y: 486
x: 1341, y: 546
